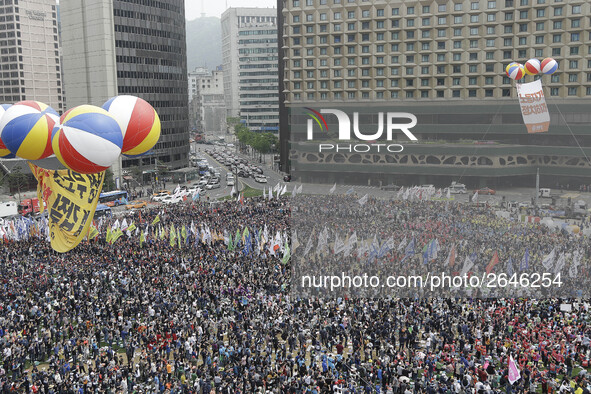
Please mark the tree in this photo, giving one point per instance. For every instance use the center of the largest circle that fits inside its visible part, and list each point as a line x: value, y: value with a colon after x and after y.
x: 109, y: 183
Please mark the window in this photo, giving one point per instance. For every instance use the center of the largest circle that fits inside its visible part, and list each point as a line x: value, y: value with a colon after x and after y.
x: 409, y: 70
x: 522, y: 40
x: 394, y: 83
x: 394, y: 71
x: 337, y: 15
x: 426, y: 21
x: 455, y: 93
x: 555, y: 51
x: 557, y: 25
x: 380, y: 25
x: 472, y: 68
x: 508, y: 42
x: 410, y: 10
x: 440, y: 81
x: 426, y: 33
x: 457, y: 69
x: 395, y: 35
x: 522, y: 27
x: 425, y: 58
x: 522, y: 53
x: 490, y: 42
x: 457, y: 44
x: 456, y: 81
x: 539, y: 39
x: 441, y: 7
x: 576, y: 9
x: 558, y: 11
x: 336, y: 27
x: 491, y: 17
x: 488, y: 93
x: 351, y: 15
x: 523, y: 14
x: 572, y: 91
x: 539, y: 26
x: 555, y: 78
x: 575, y: 23
x: 441, y: 45
x: 458, y: 7
x: 424, y: 93
x: 380, y: 48
x: 441, y: 33
x: 394, y: 59
x: 556, y: 37
x: 508, y: 29
x: 394, y: 47
x: 539, y: 53
x: 573, y: 64
x: 540, y: 13
x: 588, y: 91
x: 508, y: 16
x: 472, y: 93
x: 440, y: 94
x: 365, y: 14
x: 490, y: 55
x: 393, y: 94
x: 410, y: 46
x: 440, y: 69
x: 425, y: 70
x: 574, y: 36
x: 441, y: 57
x: 488, y: 80
x: 425, y: 46
x: 457, y: 57
x: 506, y: 92
x: 410, y: 22
x: 380, y: 12
x: 410, y: 34
x: 395, y: 11
x: 296, y: 3
x: 554, y: 91
x: 506, y: 80
x: 572, y: 77
x: 574, y: 50
x: 426, y: 9
x: 425, y: 82
x: 410, y: 94
x: 474, y: 5
x: 442, y: 20
x: 296, y: 18
x: 492, y: 4
x: 458, y: 19
x: 474, y: 18
x: 410, y: 82
x: 507, y: 54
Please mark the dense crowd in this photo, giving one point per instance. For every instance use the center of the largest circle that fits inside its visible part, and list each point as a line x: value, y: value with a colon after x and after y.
x: 200, y: 317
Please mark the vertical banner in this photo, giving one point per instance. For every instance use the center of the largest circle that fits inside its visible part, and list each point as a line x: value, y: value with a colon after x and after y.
x: 533, y: 106
x: 71, y: 200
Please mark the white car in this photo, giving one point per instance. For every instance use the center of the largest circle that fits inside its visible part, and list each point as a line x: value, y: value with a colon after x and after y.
x: 260, y: 179
x: 230, y: 182
x: 160, y: 196
x: 213, y: 186
x: 171, y: 200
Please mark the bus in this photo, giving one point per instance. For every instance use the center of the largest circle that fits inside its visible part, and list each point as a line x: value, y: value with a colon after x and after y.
x: 114, y: 198
x: 102, y: 210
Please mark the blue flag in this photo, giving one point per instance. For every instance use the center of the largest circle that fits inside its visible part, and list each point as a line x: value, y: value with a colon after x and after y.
x: 524, y: 261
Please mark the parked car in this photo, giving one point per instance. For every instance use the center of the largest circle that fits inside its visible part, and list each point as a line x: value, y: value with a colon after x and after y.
x: 136, y: 204
x: 260, y: 178
x: 171, y: 200
x: 485, y: 190
x: 160, y: 196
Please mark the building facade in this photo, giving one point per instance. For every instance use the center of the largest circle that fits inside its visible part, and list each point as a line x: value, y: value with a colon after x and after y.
x: 444, y: 61
x: 135, y: 48
x: 250, y: 63
x: 29, y: 52
x: 207, y: 110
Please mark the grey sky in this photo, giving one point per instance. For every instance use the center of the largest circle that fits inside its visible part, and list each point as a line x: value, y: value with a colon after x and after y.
x: 193, y: 8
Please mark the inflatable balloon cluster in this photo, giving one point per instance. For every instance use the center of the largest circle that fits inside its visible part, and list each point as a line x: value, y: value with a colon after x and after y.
x: 85, y: 139
x: 517, y: 71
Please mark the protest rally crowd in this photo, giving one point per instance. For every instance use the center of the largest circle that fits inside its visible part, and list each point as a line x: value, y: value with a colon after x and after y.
x: 196, y: 298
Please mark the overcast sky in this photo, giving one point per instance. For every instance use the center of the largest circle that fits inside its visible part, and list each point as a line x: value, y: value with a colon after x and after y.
x: 217, y: 7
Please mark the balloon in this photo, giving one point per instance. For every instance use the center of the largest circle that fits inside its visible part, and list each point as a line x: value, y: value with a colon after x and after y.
x: 532, y: 67
x: 139, y: 123
x: 515, y: 71
x: 88, y: 140
x: 26, y: 128
x: 4, y: 152
x: 549, y: 66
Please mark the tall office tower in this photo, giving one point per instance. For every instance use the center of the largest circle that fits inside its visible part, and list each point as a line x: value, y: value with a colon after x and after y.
x: 250, y: 64
x: 116, y: 47
x: 443, y: 61
x: 29, y: 52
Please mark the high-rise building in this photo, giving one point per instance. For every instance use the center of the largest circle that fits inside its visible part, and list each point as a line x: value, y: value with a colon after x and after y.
x: 250, y: 63
x: 116, y: 47
x: 207, y: 111
x: 443, y: 61
x: 29, y: 52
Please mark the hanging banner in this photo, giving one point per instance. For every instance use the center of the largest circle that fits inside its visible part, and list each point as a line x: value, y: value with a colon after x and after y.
x: 533, y: 106
x: 71, y: 200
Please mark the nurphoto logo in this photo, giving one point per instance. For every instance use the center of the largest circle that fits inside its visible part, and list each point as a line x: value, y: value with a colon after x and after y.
x: 392, y: 121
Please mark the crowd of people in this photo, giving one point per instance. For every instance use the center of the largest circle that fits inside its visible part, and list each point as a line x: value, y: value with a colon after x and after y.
x: 197, y: 316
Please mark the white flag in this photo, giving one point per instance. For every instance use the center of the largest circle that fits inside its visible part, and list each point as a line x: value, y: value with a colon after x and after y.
x: 309, y: 245
x: 300, y: 188
x: 448, y: 194
x: 475, y: 197
x: 560, y: 263
x: 573, y: 270
x: 294, y: 191
x: 332, y: 189
x: 548, y: 261
x: 284, y: 190
x: 352, y: 240
x: 339, y: 245
x: 400, y: 191
x: 402, y: 244
x: 468, y: 264
x: 363, y: 200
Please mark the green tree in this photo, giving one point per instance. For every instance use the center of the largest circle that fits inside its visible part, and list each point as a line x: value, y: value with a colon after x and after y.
x: 109, y: 183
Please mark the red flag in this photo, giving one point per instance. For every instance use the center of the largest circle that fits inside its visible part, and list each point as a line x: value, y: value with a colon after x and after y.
x: 494, y: 261
x: 451, y: 258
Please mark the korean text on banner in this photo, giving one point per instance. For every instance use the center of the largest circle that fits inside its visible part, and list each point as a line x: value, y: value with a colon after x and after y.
x: 71, y: 200
x: 533, y: 106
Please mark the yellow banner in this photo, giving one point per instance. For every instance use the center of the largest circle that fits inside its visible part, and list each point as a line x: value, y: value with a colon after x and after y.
x: 71, y: 200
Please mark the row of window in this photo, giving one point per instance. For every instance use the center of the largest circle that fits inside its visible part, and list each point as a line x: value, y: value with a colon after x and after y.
x: 143, y: 16
x: 455, y: 93
x: 424, y: 82
x: 148, y: 46
x: 149, y: 32
x: 426, y: 9
x: 164, y: 5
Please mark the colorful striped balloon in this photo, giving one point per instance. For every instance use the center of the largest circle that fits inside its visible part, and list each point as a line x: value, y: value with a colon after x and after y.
x: 139, y: 123
x: 88, y: 140
x: 549, y: 65
x: 26, y: 128
x: 4, y: 152
x: 532, y: 67
x: 515, y: 71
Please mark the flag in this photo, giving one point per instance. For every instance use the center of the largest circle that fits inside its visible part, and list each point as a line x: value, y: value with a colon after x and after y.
x: 92, y: 232
x: 233, y: 192
x: 400, y: 191
x: 184, y: 233
x: 363, y: 200
x: 451, y: 257
x: 286, y: 254
x: 510, y: 267
x: 475, y: 197
x: 108, y: 236
x: 349, y: 245
x: 409, y: 250
x: 468, y: 264
x: 560, y: 263
x: 142, y: 238
x: 115, y: 225
x: 401, y: 245
x: 524, y: 264
x: 309, y: 245
x: 448, y: 194
x: 230, y: 242
x: 284, y: 190
x: 131, y: 227
x: 300, y: 189
x: 514, y: 374
x: 386, y: 247
x: 156, y: 220
x: 573, y: 270
x: 172, y: 235
x: 493, y: 261
x: 350, y: 191
x: 294, y: 191
x: 548, y: 261
x: 339, y: 245
x: 332, y: 189
x: 196, y: 195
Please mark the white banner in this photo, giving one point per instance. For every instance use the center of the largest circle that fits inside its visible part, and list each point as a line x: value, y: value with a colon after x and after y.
x: 533, y: 106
